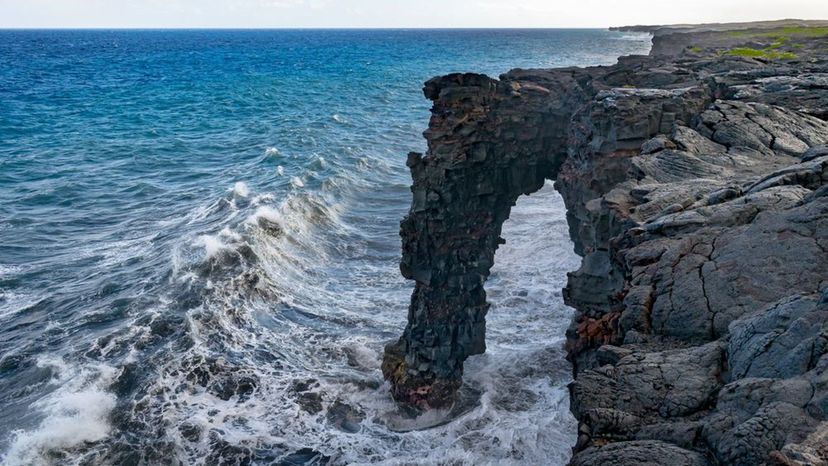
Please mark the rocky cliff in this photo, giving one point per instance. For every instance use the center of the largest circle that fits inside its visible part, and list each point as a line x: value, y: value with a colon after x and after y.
x: 696, y: 183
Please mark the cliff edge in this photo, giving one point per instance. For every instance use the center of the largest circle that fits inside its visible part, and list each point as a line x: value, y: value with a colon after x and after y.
x: 696, y: 183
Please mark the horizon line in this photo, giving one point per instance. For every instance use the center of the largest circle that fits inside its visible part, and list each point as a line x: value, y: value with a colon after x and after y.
x: 286, y: 28
x: 345, y: 28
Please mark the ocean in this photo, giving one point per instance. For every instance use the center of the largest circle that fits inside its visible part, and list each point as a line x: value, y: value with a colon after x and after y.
x: 199, y: 250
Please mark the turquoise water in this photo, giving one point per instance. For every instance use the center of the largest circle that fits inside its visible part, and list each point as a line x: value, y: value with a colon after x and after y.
x: 195, y: 225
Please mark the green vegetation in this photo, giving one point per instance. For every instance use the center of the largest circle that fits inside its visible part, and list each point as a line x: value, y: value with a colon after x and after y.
x: 800, y: 32
x: 695, y: 49
x: 746, y: 52
x: 783, y: 33
x: 783, y: 44
x: 779, y: 42
x: 767, y: 53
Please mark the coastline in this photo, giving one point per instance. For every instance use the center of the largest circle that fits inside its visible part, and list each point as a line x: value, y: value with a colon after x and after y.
x: 695, y: 184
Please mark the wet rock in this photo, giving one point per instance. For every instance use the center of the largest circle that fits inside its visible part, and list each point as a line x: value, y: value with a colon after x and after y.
x: 270, y: 226
x: 309, y: 400
x: 345, y: 417
x: 128, y: 380
x: 229, y: 386
x: 224, y: 453
x: 221, y: 379
x: 639, y: 453
x: 190, y: 431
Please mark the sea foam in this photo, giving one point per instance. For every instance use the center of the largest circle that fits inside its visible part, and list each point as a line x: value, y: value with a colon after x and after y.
x: 241, y: 189
x: 76, y: 413
x: 212, y: 244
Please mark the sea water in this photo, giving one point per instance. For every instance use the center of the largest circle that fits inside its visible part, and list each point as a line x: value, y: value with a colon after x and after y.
x: 199, y: 249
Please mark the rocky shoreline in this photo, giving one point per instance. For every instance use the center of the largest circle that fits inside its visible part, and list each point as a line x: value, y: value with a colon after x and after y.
x: 696, y: 183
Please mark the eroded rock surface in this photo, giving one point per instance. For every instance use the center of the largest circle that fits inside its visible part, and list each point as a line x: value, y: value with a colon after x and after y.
x: 697, y: 193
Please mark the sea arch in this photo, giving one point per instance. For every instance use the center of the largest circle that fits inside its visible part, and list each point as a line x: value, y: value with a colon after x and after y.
x: 489, y: 142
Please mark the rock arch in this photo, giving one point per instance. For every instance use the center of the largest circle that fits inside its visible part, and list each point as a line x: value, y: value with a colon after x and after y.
x: 489, y: 143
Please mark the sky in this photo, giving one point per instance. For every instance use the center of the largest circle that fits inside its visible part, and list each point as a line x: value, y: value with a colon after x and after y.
x: 392, y: 13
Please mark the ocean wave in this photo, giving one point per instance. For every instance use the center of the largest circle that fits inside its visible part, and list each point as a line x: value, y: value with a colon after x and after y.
x: 257, y: 355
x: 241, y: 189
x: 298, y: 382
x: 12, y: 302
x: 637, y: 37
x: 9, y: 270
x: 75, y: 414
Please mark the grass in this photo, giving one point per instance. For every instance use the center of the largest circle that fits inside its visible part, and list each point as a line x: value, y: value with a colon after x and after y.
x: 779, y: 42
x: 784, y: 33
x: 801, y: 32
x: 783, y: 45
x: 767, y: 53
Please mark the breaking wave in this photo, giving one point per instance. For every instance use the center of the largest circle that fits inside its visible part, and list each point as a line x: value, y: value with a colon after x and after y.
x: 255, y: 354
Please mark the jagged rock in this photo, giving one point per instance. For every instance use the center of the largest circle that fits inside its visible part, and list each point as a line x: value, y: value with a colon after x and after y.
x: 814, y: 152
x: 308, y: 400
x: 345, y: 417
x: 645, y: 388
x: 696, y: 187
x: 750, y: 442
x: 812, y: 451
x: 684, y: 434
x: 786, y: 340
x: 639, y: 453
x: 609, y: 354
x: 657, y: 144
